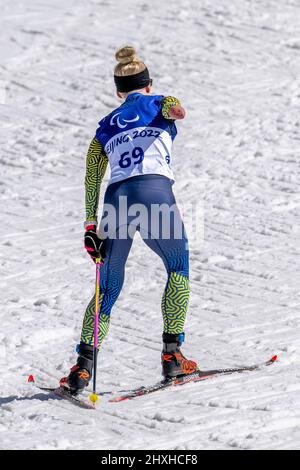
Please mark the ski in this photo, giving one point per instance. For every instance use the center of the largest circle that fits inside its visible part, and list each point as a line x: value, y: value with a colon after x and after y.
x: 64, y: 393
x: 197, y: 376
x: 54, y: 389
x: 194, y: 377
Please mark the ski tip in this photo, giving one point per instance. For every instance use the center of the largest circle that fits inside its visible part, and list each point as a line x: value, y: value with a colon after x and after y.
x: 30, y: 379
x: 274, y: 358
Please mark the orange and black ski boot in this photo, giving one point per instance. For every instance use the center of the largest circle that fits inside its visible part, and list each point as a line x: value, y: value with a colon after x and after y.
x: 174, y: 364
x: 80, y: 374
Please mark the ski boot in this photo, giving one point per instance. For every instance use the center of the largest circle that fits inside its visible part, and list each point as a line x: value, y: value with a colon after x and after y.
x: 80, y: 374
x: 174, y: 364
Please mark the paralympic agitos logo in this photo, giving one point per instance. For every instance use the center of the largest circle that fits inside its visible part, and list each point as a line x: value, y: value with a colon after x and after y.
x: 119, y: 118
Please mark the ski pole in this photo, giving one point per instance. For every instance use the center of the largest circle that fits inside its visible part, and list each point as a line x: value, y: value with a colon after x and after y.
x: 99, y: 262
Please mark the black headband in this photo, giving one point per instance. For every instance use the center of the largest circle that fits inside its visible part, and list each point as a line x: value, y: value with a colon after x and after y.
x: 137, y: 81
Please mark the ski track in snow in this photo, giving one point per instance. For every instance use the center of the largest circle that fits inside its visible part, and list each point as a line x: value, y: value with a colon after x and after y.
x: 235, y: 66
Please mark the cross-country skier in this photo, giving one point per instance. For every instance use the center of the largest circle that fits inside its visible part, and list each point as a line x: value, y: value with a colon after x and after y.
x: 136, y: 140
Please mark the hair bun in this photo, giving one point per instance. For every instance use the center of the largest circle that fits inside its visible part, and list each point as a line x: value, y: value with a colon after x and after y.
x: 126, y: 55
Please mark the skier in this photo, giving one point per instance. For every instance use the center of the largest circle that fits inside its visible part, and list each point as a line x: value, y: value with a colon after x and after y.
x: 136, y: 140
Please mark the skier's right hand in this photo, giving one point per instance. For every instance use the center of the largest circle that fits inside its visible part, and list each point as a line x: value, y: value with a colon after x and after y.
x: 93, y: 243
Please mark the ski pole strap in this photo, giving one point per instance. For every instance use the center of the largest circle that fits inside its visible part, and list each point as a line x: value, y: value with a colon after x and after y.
x: 173, y: 338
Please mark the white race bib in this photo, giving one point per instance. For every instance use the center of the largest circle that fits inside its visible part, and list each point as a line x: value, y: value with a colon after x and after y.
x: 139, y: 151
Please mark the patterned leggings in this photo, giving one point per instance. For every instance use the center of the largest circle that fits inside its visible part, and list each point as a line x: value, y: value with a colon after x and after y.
x: 164, y: 234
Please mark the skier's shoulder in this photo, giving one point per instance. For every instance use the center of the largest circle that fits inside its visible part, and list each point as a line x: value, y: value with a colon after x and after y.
x: 152, y: 100
x: 164, y: 102
x: 156, y: 99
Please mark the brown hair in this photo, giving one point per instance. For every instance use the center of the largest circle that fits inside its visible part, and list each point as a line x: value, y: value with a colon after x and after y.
x: 129, y: 63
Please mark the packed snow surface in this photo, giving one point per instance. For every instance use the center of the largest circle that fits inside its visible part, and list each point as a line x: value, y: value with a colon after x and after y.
x: 235, y: 66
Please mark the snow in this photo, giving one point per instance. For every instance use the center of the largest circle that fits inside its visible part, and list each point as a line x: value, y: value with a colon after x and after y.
x: 235, y: 66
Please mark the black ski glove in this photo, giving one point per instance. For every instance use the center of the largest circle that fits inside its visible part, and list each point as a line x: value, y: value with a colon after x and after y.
x: 92, y: 243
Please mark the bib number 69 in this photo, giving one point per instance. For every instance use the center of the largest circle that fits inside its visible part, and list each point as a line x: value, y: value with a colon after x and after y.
x: 137, y: 156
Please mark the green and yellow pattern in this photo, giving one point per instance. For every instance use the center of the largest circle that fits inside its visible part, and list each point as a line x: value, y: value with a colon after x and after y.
x: 87, y: 334
x: 167, y: 104
x: 175, y: 303
x: 96, y: 164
